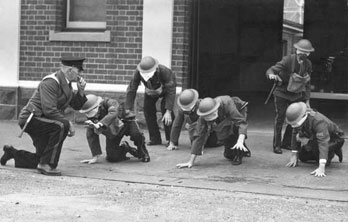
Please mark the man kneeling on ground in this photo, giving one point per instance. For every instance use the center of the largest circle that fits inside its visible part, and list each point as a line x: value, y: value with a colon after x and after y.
x: 106, y: 116
x: 314, y: 138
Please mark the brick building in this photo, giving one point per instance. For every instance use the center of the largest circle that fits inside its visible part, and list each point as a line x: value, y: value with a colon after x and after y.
x: 216, y: 46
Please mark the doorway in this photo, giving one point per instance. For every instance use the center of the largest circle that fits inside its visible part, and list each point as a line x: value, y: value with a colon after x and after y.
x: 234, y: 44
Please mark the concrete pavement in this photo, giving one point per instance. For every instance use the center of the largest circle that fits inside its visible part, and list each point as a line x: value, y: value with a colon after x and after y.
x: 264, y: 172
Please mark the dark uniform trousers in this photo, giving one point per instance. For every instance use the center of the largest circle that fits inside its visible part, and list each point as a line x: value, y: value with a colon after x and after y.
x: 48, y: 136
x: 281, y: 104
x: 311, y: 150
x: 115, y: 152
x: 229, y: 142
x: 150, y: 113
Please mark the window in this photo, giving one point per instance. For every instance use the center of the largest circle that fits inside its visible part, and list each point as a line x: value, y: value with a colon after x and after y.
x: 82, y: 14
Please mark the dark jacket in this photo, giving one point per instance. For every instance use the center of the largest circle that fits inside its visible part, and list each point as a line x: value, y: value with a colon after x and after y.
x: 179, y: 120
x: 228, y: 117
x: 284, y: 68
x: 163, y: 77
x: 108, y: 115
x: 51, y: 98
x: 317, y: 127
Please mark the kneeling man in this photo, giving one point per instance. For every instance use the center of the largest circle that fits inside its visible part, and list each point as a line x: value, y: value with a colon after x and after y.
x: 314, y: 138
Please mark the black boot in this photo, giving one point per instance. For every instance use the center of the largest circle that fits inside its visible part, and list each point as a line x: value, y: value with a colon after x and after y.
x: 8, y: 154
x: 237, y: 159
x: 143, y: 153
x: 130, y: 149
x: 339, y: 153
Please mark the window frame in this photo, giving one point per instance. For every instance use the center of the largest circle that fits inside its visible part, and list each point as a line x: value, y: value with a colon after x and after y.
x: 82, y: 25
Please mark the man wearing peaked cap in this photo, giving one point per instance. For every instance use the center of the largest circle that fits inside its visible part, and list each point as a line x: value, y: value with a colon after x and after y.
x: 73, y: 61
x: 43, y: 118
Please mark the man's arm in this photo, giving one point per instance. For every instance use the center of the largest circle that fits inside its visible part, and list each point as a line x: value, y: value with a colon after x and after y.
x: 132, y: 91
x: 176, y: 130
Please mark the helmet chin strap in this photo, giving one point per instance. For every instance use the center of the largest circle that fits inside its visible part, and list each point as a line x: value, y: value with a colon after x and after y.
x: 301, y: 121
x: 211, y: 116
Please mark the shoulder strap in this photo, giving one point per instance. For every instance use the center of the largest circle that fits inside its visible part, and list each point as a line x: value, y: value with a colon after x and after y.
x: 51, y: 76
x: 293, y: 60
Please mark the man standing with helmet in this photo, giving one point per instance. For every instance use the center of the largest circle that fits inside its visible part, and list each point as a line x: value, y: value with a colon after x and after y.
x: 106, y: 116
x: 292, y: 79
x: 227, y: 117
x: 314, y: 138
x: 43, y: 118
x: 159, y: 82
x: 188, y: 102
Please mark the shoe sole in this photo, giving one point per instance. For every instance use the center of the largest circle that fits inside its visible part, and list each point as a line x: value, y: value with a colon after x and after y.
x: 44, y: 172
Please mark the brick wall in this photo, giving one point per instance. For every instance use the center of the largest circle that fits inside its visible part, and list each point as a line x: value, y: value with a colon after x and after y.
x: 111, y: 63
x: 181, y: 41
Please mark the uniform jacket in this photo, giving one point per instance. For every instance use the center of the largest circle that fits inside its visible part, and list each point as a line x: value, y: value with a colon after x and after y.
x: 51, y: 98
x: 229, y: 116
x: 317, y: 127
x: 108, y: 115
x: 163, y: 77
x: 190, y: 119
x: 283, y: 68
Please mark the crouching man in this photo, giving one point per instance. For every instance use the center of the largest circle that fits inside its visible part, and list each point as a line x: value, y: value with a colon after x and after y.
x: 227, y: 117
x: 188, y: 102
x: 106, y: 116
x: 314, y: 138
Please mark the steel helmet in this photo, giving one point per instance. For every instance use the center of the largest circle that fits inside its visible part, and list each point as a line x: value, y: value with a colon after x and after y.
x: 188, y: 99
x: 207, y: 106
x: 92, y: 102
x: 147, y: 64
x: 304, y: 45
x: 295, y: 112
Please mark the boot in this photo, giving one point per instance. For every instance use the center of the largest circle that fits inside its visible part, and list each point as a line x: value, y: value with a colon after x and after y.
x: 130, y: 149
x: 8, y: 154
x: 237, y: 159
x: 143, y: 154
x: 339, y: 153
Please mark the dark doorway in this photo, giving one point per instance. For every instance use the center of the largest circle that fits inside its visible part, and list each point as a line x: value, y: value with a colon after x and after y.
x: 326, y: 26
x: 234, y: 42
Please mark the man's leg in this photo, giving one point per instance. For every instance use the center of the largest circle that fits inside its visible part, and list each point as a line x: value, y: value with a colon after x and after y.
x: 115, y: 152
x: 150, y: 113
x: 139, y: 140
x: 48, y: 137
x: 335, y: 146
x: 22, y: 158
x: 93, y: 142
x: 280, y: 110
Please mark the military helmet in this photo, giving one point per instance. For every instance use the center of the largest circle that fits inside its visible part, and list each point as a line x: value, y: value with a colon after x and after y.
x: 304, y: 45
x: 147, y: 64
x: 92, y: 102
x: 188, y: 99
x: 207, y: 106
x: 295, y: 112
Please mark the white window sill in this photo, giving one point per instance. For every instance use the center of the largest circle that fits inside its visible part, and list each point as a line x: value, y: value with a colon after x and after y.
x: 79, y: 36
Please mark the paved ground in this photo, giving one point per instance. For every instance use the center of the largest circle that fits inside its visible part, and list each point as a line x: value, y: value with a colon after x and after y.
x: 261, y: 189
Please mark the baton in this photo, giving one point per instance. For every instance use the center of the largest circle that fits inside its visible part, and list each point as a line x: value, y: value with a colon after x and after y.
x: 26, y: 124
x: 271, y: 92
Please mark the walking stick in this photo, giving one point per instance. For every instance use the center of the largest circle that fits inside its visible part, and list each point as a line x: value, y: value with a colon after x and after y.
x: 26, y: 124
x: 271, y: 92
